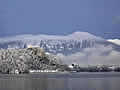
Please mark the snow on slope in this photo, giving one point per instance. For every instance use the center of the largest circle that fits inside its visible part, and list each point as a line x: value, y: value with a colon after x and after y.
x: 52, y: 43
x: 80, y: 47
x: 73, y: 36
x: 116, y: 41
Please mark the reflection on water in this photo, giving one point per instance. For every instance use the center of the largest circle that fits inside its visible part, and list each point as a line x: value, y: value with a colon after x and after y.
x: 43, y: 82
x: 33, y: 83
x: 95, y: 84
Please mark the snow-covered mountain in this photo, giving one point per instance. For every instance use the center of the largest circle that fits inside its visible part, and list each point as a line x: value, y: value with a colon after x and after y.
x: 68, y: 44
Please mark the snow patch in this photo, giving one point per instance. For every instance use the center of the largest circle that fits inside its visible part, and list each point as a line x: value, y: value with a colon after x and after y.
x: 115, y: 41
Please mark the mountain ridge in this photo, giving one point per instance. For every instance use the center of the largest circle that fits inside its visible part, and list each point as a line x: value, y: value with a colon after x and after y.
x: 65, y: 44
x: 73, y: 36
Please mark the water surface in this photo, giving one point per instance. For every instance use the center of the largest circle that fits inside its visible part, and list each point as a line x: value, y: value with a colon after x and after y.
x: 61, y: 81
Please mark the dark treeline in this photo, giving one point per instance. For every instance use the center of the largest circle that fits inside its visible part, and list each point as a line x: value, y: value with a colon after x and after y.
x: 97, y: 68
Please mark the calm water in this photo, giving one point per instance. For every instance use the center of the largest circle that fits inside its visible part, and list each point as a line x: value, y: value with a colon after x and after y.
x: 60, y: 81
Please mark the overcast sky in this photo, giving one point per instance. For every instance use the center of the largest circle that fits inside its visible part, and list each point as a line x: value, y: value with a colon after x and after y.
x: 59, y: 17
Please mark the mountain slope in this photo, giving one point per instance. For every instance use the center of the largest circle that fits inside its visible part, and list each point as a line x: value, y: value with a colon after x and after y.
x: 66, y: 45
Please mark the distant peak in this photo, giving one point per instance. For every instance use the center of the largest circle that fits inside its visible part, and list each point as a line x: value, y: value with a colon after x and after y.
x: 77, y: 33
x: 83, y: 35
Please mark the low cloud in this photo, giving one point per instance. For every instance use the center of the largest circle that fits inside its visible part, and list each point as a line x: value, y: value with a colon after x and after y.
x: 92, y: 56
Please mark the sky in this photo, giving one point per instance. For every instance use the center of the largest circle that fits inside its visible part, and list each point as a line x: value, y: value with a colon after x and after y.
x: 60, y: 17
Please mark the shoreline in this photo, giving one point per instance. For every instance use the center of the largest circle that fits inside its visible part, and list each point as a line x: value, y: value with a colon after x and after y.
x: 47, y: 76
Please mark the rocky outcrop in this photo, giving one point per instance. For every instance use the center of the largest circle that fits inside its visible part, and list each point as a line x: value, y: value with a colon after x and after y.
x: 26, y: 59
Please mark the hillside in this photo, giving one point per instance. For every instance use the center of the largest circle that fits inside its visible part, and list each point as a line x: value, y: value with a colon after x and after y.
x: 78, y: 47
x: 67, y: 44
x: 26, y: 59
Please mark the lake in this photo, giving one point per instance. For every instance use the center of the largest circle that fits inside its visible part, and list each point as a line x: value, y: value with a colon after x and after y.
x: 61, y: 81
